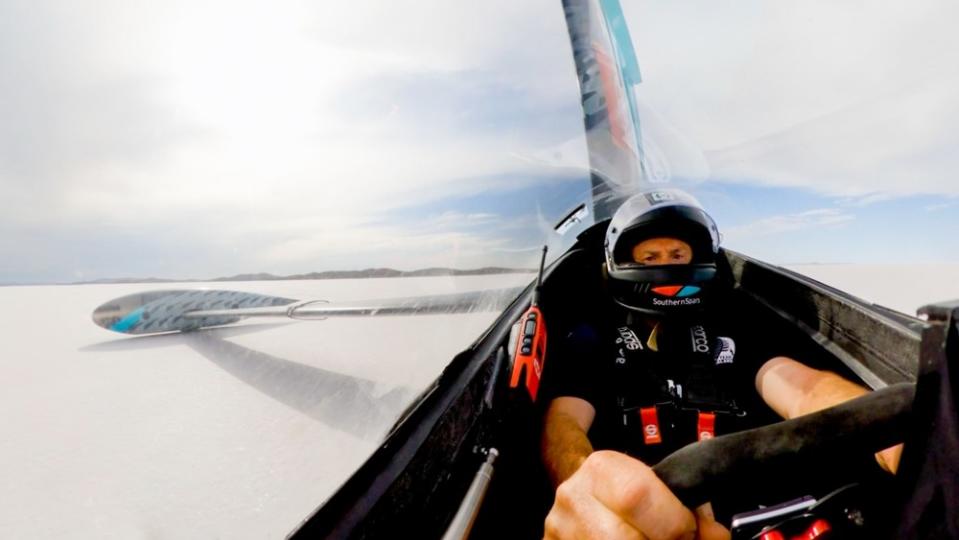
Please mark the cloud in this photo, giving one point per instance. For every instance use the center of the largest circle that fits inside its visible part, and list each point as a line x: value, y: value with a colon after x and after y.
x: 270, y: 126
x: 937, y: 207
x: 776, y: 225
x: 894, y: 146
x: 848, y: 100
x: 454, y: 218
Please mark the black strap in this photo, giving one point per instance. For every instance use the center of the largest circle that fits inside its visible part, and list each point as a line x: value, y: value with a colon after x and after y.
x: 682, y: 379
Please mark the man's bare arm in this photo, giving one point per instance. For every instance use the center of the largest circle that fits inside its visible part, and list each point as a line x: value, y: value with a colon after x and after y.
x: 793, y: 389
x: 565, y: 445
x: 607, y: 494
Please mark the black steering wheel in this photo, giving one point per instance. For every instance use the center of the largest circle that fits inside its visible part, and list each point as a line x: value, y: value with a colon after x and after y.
x: 833, y: 439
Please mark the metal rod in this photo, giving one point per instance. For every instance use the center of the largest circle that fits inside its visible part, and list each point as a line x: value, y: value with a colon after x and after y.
x: 462, y: 523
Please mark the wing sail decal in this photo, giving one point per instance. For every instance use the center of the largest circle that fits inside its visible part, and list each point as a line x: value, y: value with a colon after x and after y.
x: 608, y: 70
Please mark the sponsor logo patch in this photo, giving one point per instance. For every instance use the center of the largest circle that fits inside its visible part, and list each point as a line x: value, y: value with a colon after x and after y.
x: 725, y: 351
x: 700, y: 343
x: 680, y: 302
x: 681, y: 291
x: 628, y: 338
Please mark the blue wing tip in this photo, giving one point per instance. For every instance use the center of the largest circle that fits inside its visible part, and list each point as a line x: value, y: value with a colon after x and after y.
x: 127, y: 322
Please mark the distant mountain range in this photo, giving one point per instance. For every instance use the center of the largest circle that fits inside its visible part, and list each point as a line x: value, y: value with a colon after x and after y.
x: 332, y: 274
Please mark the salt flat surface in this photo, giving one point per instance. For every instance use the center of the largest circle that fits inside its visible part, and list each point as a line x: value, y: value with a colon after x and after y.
x: 904, y: 288
x: 238, y: 432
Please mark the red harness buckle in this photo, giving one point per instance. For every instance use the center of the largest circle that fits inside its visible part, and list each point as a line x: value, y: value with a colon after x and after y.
x: 706, y: 426
x: 651, y: 432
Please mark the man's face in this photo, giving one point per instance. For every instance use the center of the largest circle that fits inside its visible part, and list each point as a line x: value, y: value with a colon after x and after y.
x: 662, y: 250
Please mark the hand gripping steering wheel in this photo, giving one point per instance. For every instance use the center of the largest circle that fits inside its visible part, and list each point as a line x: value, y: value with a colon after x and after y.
x: 823, y: 443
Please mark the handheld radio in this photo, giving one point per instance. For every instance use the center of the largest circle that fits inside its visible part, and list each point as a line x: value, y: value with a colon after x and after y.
x: 531, y: 342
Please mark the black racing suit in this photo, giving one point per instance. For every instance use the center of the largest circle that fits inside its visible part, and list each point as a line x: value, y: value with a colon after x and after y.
x: 603, y: 354
x: 656, y: 385
x: 691, y: 371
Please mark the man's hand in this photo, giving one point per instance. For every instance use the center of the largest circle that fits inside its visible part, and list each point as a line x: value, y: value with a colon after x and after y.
x: 613, y: 496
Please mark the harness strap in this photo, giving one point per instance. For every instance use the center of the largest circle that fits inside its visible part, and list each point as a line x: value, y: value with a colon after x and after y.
x: 687, y: 385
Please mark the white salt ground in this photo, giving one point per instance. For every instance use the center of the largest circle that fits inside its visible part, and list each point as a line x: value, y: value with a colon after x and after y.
x: 904, y: 288
x: 240, y: 432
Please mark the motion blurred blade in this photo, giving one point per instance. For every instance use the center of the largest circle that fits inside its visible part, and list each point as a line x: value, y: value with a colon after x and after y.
x: 467, y: 302
x: 179, y: 311
x: 168, y: 311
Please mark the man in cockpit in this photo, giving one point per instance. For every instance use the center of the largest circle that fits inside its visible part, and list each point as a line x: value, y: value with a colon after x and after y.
x: 658, y: 370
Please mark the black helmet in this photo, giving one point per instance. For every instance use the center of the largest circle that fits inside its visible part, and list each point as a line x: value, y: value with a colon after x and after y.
x: 674, y: 289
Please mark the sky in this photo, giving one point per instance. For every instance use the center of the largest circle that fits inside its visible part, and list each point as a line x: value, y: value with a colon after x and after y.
x: 205, y: 138
x: 812, y: 131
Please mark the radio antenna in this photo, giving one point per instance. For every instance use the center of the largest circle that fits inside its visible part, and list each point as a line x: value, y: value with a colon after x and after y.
x: 539, y: 278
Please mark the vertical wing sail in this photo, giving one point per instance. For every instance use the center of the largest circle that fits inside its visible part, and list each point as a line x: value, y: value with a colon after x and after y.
x: 608, y: 71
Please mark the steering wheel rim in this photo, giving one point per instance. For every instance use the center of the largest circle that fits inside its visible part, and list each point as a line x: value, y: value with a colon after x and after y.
x: 838, y: 437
